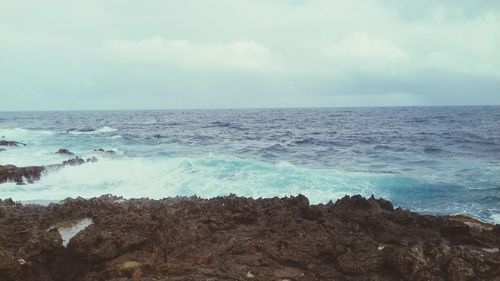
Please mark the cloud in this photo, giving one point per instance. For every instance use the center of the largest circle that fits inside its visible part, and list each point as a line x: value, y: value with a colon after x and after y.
x: 364, y: 53
x: 362, y: 46
x: 236, y: 55
x: 248, y: 53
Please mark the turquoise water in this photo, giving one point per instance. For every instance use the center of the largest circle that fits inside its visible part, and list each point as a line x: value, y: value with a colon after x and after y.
x: 430, y: 160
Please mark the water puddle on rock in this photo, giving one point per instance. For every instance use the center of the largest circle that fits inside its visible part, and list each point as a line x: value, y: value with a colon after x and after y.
x: 68, y: 229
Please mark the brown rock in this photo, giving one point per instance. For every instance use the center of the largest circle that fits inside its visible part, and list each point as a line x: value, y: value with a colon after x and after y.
x: 226, y: 238
x: 20, y: 174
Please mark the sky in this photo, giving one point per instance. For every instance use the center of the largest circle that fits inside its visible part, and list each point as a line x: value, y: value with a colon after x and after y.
x: 178, y: 54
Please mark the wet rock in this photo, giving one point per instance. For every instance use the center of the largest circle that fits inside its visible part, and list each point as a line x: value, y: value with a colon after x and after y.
x: 112, y: 152
x: 234, y: 238
x: 20, y: 175
x: 92, y: 159
x: 23, y: 175
x: 474, y: 224
x: 64, y: 151
x: 77, y: 161
x: 496, y: 229
x: 11, y: 143
x: 7, y: 202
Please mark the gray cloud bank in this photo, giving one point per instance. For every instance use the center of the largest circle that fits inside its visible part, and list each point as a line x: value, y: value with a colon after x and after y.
x: 114, y: 54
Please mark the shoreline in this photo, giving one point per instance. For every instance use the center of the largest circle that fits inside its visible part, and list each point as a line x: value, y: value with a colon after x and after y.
x: 22, y: 175
x: 236, y: 238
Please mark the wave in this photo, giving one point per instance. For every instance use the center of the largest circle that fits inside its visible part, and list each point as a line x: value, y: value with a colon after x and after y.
x: 90, y: 131
x: 316, y: 142
x: 432, y: 150
x: 389, y: 148
x: 228, y: 125
x: 20, y: 133
x: 496, y: 218
x: 215, y: 175
x: 207, y: 177
x: 275, y: 148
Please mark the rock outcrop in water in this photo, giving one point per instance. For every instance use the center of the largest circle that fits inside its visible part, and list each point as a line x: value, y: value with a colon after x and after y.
x: 20, y: 175
x: 64, y: 151
x: 11, y: 143
x: 23, y: 175
x: 111, y: 152
x: 233, y: 238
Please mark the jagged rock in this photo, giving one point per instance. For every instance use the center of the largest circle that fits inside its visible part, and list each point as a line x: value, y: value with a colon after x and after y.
x: 64, y: 151
x: 20, y: 174
x: 77, y: 161
x: 105, y: 151
x: 93, y: 159
x: 226, y: 238
x: 7, y: 202
x: 23, y: 175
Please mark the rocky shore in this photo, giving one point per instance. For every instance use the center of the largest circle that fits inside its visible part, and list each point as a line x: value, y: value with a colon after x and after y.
x: 23, y: 175
x: 234, y: 238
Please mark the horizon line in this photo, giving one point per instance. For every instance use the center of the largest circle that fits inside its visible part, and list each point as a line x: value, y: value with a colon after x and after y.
x: 250, y: 108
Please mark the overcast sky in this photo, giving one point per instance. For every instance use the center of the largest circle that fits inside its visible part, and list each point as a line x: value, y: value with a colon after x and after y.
x: 159, y: 54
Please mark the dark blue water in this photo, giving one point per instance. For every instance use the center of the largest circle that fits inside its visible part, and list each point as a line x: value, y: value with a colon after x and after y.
x: 429, y: 159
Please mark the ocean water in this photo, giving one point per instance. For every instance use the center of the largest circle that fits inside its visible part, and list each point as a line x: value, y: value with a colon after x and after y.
x: 437, y: 160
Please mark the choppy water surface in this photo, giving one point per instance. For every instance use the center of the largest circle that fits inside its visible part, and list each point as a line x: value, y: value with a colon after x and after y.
x: 441, y: 160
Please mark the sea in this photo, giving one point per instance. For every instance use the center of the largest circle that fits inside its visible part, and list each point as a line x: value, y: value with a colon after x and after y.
x: 431, y: 160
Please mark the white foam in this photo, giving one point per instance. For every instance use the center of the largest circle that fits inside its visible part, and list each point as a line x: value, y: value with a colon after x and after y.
x: 106, y: 129
x: 496, y: 218
x: 102, y: 130
x: 207, y: 177
x: 284, y: 164
x: 70, y: 229
x: 23, y: 135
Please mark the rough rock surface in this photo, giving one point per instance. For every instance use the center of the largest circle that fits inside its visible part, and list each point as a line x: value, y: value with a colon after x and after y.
x: 22, y: 175
x: 77, y: 161
x: 233, y: 238
x: 11, y: 143
x: 64, y: 151
x: 111, y: 152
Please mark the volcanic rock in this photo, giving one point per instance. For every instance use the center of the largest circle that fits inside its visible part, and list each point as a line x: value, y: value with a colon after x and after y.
x: 11, y: 143
x: 77, y: 161
x: 64, y: 151
x: 105, y: 151
x: 91, y: 160
x: 234, y: 238
x: 20, y: 174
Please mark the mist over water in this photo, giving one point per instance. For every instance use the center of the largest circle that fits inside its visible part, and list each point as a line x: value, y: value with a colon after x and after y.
x: 439, y: 160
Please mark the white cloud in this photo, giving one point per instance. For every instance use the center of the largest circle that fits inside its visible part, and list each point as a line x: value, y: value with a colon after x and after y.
x: 362, y: 52
x: 362, y: 46
x: 434, y: 53
x: 236, y: 55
